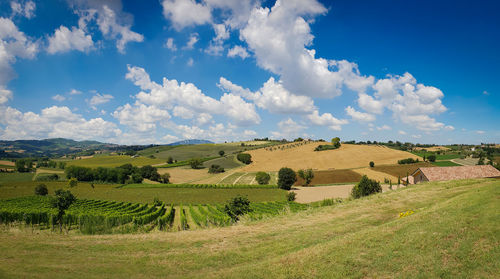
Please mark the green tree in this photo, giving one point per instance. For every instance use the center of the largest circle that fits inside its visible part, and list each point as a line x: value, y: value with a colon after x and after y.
x: 290, y: 196
x: 221, y: 153
x: 62, y: 201
x: 195, y: 163
x: 41, y: 190
x: 307, y: 175
x: 170, y: 160
x: 286, y: 178
x: 73, y: 182
x: 236, y: 207
x: 365, y: 187
x: 215, y: 169
x: 165, y: 178
x: 372, y: 164
x: 431, y: 158
x: 244, y: 158
x: 336, y: 142
x: 262, y: 177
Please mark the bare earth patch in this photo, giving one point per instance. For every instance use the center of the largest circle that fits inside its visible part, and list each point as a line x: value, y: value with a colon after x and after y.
x: 313, y: 194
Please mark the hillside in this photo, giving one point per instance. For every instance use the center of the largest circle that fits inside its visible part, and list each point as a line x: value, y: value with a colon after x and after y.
x: 346, y: 157
x: 454, y: 233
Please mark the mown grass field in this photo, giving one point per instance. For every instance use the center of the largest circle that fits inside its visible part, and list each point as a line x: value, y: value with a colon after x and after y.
x: 401, y: 170
x: 186, y: 152
x: 438, y: 156
x: 110, y: 161
x: 227, y: 162
x: 15, y: 177
x: 143, y: 195
x: 454, y: 233
x: 445, y: 164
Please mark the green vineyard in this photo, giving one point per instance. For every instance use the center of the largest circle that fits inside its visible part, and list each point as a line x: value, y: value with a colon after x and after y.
x: 99, y: 216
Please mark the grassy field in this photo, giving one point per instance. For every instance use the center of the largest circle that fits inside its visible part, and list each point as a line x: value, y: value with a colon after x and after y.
x: 143, y: 195
x: 15, y: 177
x: 113, y: 161
x: 454, y: 233
x: 467, y: 161
x: 346, y: 157
x: 401, y: 170
x: 332, y: 177
x: 227, y: 162
x: 186, y: 152
x: 445, y: 164
x: 438, y: 156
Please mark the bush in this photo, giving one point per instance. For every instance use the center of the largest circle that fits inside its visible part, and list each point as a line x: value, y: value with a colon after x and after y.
x: 326, y: 147
x: 50, y: 177
x: 307, y: 175
x: 286, y: 178
x: 336, y: 142
x: 365, y: 187
x: 215, y: 169
x: 221, y: 153
x: 244, y: 158
x: 41, y: 190
x: 407, y: 161
x: 165, y: 178
x: 73, y: 182
x: 431, y: 158
x: 170, y: 160
x: 236, y: 207
x: 195, y: 163
x: 290, y: 196
x: 372, y: 164
x: 262, y: 177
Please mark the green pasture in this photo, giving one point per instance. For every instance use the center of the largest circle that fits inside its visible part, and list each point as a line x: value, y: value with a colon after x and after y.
x: 110, y: 161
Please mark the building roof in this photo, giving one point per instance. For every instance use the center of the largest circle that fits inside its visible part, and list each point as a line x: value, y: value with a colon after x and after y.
x: 461, y: 172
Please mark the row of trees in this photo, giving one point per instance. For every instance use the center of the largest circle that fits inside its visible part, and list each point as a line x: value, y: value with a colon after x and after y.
x: 122, y: 174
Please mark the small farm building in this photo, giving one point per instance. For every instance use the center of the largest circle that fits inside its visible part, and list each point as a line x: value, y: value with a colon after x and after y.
x: 454, y: 173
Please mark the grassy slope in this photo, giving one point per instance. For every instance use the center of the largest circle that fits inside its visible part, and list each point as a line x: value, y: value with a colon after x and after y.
x: 445, y: 164
x: 6, y: 177
x: 438, y: 156
x: 454, y: 233
x: 113, y: 161
x: 143, y: 195
x: 186, y: 152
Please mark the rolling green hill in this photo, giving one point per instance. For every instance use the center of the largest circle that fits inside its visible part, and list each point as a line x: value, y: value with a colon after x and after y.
x: 453, y: 233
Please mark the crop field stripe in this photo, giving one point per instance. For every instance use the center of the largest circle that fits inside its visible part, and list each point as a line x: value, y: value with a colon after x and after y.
x: 236, y: 181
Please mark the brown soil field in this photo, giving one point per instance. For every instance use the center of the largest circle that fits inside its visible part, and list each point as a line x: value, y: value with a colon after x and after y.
x: 434, y: 148
x: 7, y: 163
x: 401, y: 170
x: 332, y: 177
x: 313, y: 194
x: 303, y: 157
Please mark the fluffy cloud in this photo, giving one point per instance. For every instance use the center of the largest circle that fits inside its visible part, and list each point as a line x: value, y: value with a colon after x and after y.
x: 58, y: 98
x: 279, y: 37
x: 384, y: 128
x: 193, y: 39
x: 113, y: 23
x: 74, y: 92
x: 13, y: 44
x: 359, y: 116
x: 99, y: 99
x: 27, y: 10
x: 65, y: 40
x: 188, y: 96
x: 140, y: 117
x: 170, y: 44
x: 272, y: 97
x: 288, y: 129
x: 53, y: 122
x: 184, y: 13
x: 238, y: 51
x: 327, y: 120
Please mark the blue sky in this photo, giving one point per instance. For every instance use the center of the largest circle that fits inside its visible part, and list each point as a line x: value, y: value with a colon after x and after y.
x: 139, y: 72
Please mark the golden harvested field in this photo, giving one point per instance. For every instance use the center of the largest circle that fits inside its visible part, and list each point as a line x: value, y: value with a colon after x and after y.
x: 433, y: 149
x: 302, y: 157
x: 185, y: 174
x: 7, y: 163
x: 377, y: 175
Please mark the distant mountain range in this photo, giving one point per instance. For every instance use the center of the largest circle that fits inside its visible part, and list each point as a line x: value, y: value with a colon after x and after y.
x: 190, y: 141
x: 59, y: 146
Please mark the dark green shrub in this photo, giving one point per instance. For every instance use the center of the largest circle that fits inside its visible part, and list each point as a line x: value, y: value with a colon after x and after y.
x: 215, y: 169
x: 170, y: 160
x: 165, y: 178
x: 195, y: 163
x: 262, y: 177
x: 41, y: 190
x: 372, y: 164
x: 236, y: 207
x: 286, y: 178
x: 221, y: 153
x: 366, y: 187
x: 307, y: 175
x: 73, y: 182
x: 326, y: 147
x: 244, y: 158
x: 407, y: 161
x: 431, y: 158
x: 290, y: 196
x: 49, y: 177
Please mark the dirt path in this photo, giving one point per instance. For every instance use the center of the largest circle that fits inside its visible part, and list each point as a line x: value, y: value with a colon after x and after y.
x: 319, y: 193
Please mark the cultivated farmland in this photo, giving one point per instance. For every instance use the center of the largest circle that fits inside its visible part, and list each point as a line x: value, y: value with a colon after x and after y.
x: 110, y: 161
x: 303, y: 157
